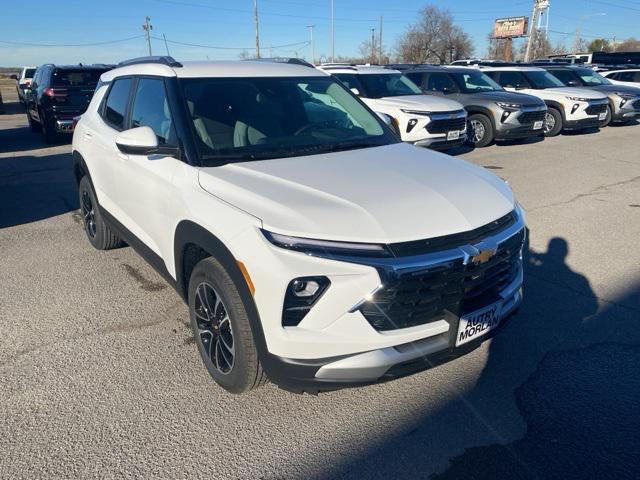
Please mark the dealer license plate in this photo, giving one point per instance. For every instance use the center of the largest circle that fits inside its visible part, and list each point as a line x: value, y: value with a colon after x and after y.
x: 537, y: 125
x: 453, y: 135
x: 602, y: 116
x: 476, y: 324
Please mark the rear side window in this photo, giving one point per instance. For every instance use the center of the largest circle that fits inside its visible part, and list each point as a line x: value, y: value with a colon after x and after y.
x: 76, y: 77
x: 116, y: 105
x: 151, y: 109
x: 28, y: 73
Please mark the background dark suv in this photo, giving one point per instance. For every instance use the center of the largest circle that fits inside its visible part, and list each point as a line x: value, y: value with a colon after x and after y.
x: 58, y: 93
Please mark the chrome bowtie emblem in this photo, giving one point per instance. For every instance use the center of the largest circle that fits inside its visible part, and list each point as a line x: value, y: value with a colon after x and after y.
x: 484, y: 256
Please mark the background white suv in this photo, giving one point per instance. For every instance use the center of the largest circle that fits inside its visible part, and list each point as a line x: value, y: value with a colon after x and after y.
x: 424, y: 120
x: 629, y: 77
x: 311, y: 246
x: 568, y: 108
x: 24, y: 82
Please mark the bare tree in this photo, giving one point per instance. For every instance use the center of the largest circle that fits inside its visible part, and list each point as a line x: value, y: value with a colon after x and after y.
x: 246, y: 55
x: 629, y: 45
x: 434, y: 39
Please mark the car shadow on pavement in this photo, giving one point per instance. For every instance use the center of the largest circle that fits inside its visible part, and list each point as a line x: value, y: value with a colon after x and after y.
x: 564, y: 370
x: 36, y: 187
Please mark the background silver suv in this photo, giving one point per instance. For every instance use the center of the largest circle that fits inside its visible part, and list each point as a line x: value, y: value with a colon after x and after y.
x: 494, y: 113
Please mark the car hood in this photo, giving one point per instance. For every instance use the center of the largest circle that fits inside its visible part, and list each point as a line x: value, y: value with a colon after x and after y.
x: 383, y: 194
x: 429, y: 103
x: 510, y: 97
x: 591, y: 94
x: 618, y: 88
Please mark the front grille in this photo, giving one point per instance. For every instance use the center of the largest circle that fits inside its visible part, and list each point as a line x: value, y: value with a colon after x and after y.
x: 530, y: 117
x: 455, y: 240
x: 636, y: 105
x: 439, y: 292
x: 447, y: 125
x: 596, y: 109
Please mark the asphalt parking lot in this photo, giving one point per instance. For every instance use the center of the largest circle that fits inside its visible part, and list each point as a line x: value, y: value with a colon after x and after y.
x: 100, y: 376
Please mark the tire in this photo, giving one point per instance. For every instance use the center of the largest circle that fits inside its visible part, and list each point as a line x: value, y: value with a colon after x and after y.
x: 50, y: 135
x: 222, y: 330
x: 98, y: 233
x: 33, y: 125
x: 480, y: 123
x: 552, y: 122
x: 607, y: 120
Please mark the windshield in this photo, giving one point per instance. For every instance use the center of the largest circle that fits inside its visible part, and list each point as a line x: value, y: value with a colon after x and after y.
x: 84, y: 77
x: 28, y: 73
x: 591, y: 77
x: 541, y: 80
x: 475, y: 82
x: 243, y: 119
x: 378, y: 85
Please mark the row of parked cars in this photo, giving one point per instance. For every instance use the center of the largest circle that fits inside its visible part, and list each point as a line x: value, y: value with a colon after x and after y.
x: 439, y: 107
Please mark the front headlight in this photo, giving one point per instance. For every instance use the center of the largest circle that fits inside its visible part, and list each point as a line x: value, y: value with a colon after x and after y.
x: 326, y: 248
x: 424, y: 113
x: 577, y: 99
x: 512, y: 106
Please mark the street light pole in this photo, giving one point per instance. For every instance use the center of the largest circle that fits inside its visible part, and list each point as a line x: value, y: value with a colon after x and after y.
x: 313, y: 48
x: 333, y: 44
x: 255, y: 21
x: 147, y: 27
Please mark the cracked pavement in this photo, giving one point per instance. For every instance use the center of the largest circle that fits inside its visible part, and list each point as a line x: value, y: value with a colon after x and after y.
x: 99, y: 376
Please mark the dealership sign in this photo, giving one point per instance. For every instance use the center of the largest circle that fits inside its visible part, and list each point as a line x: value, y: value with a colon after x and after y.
x: 510, y: 27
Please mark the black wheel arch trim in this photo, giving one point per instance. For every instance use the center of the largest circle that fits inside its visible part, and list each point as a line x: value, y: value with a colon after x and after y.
x: 557, y: 106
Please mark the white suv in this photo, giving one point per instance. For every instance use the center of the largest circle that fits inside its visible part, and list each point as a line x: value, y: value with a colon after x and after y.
x: 311, y: 246
x: 568, y: 108
x: 24, y: 82
x: 630, y: 77
x: 424, y: 120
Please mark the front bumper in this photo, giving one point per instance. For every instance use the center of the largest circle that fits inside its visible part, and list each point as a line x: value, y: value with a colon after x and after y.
x: 441, y: 143
x: 630, y: 110
x: 335, y: 346
x: 591, y: 122
x: 512, y: 128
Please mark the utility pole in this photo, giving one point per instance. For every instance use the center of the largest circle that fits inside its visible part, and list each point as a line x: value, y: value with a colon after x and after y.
x: 255, y: 21
x: 539, y: 8
x: 380, y: 42
x: 373, y: 45
x: 313, y: 48
x: 147, y: 27
x: 333, y: 44
x: 165, y: 44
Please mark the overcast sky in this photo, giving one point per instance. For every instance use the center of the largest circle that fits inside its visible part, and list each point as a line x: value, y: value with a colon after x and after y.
x: 72, y: 24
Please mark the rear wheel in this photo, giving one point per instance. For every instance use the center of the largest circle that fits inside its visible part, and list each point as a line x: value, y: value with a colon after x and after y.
x: 50, y: 134
x: 98, y: 233
x: 221, y: 328
x: 607, y: 119
x: 552, y: 122
x: 480, y: 130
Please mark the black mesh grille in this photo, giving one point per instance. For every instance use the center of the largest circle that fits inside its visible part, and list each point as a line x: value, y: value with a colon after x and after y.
x: 415, y: 299
x: 596, y: 109
x: 420, y: 247
x: 530, y: 117
x: 447, y: 125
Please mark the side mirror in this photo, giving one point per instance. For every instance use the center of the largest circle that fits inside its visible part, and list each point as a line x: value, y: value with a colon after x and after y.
x: 143, y: 141
x: 385, y: 118
x: 572, y: 83
x: 355, y: 91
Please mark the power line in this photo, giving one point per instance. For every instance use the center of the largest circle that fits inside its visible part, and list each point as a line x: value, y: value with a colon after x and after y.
x: 216, y: 47
x: 93, y: 44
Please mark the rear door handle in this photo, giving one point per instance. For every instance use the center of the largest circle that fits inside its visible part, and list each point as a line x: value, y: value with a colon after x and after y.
x: 87, y: 135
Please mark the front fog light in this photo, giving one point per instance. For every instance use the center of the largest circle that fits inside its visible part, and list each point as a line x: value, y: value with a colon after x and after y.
x: 575, y: 107
x: 302, y: 294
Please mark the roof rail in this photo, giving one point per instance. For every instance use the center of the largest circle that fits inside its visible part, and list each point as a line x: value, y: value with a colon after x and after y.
x: 290, y: 60
x: 162, y: 60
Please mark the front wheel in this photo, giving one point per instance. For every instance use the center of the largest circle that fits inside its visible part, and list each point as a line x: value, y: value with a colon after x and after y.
x: 479, y: 130
x: 222, y: 330
x: 552, y: 123
x: 607, y: 119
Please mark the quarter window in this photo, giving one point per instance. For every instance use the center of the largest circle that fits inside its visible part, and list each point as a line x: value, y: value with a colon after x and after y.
x: 151, y: 109
x: 116, y: 106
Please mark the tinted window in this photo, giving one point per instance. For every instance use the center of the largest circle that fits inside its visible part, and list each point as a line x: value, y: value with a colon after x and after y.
x: 624, y: 76
x: 116, y: 104
x: 591, y: 77
x: 76, y: 77
x: 475, y: 82
x: 415, y: 78
x: 29, y: 72
x: 378, y: 85
x: 151, y: 109
x: 513, y: 80
x: 566, y: 77
x: 351, y: 81
x: 441, y: 82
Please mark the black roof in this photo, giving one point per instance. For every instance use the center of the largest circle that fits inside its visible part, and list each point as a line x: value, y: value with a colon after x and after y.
x: 441, y: 68
x: 160, y: 59
x: 77, y: 66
